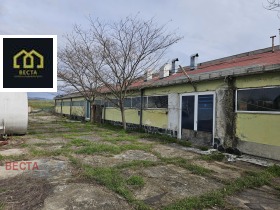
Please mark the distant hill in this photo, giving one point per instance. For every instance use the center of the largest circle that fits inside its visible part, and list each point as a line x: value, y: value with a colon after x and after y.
x: 39, y: 98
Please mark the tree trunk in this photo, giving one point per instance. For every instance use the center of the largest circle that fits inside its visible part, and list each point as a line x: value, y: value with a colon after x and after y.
x: 123, y: 118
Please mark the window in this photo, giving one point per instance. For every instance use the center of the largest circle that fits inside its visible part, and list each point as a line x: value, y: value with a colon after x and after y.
x: 98, y: 102
x: 58, y: 103
x: 111, y: 103
x: 127, y: 102
x: 156, y: 102
x: 78, y: 103
x: 259, y: 100
x: 136, y: 102
x: 66, y: 103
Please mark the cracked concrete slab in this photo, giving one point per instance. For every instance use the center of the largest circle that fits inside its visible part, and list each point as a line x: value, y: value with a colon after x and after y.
x: 84, y: 197
x: 55, y: 171
x: 166, y: 183
x: 171, y: 151
x: 262, y: 198
x: 109, y: 161
x: 13, y: 152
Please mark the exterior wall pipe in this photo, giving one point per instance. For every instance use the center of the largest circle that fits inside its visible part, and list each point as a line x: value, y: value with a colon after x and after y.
x: 14, y: 112
x: 141, y: 108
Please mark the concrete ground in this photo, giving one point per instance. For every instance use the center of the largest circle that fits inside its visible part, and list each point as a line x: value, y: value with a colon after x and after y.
x: 63, y: 164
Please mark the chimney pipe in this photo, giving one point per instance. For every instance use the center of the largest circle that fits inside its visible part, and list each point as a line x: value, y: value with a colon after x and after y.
x: 173, y: 71
x: 272, y: 37
x: 279, y: 37
x: 193, y: 64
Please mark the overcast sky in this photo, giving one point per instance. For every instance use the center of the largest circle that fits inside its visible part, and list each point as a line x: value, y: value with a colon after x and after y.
x: 213, y: 29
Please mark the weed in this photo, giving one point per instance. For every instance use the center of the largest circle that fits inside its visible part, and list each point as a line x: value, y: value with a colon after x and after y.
x: 203, y: 148
x: 275, y: 170
x: 135, y: 181
x: 214, y: 156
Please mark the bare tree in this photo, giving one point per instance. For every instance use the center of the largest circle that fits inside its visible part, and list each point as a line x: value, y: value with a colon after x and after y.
x: 273, y: 5
x: 77, y: 65
x: 128, y: 47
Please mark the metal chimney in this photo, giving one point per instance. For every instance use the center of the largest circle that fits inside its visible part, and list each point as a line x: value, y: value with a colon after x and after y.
x: 193, y: 64
x: 173, y: 70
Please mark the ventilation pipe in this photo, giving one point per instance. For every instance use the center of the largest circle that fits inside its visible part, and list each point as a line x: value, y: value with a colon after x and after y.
x: 272, y: 37
x: 149, y: 75
x: 164, y: 70
x: 173, y: 70
x: 193, y: 64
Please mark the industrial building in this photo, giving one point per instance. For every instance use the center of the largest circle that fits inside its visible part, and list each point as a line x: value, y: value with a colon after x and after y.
x: 232, y: 101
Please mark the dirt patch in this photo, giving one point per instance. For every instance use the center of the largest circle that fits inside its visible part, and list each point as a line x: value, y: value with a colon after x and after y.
x: 130, y: 155
x: 98, y: 160
x: 221, y: 170
x: 170, y: 151
x: 55, y: 140
x: 84, y: 197
x: 165, y: 184
x: 9, y: 152
x: 23, y: 192
x: 146, y: 141
x: 90, y: 138
x: 263, y: 198
x: 109, y: 161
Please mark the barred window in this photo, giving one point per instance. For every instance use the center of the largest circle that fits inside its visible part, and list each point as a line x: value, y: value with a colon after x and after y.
x: 111, y: 103
x: 98, y: 102
x: 66, y: 103
x: 78, y: 103
x: 259, y: 99
x: 127, y: 102
x: 156, y: 102
x: 136, y: 102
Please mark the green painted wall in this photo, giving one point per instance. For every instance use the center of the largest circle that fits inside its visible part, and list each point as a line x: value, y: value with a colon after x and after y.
x: 155, y: 117
x: 259, y: 80
x: 115, y: 115
x: 258, y: 128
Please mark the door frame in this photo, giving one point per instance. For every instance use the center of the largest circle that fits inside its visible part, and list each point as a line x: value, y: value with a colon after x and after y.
x: 196, y: 94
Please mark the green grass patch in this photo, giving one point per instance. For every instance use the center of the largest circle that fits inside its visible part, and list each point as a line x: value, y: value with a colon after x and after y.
x: 99, y: 148
x: 79, y: 142
x: 202, y: 148
x: 214, y: 156
x: 136, y: 181
x: 41, y: 104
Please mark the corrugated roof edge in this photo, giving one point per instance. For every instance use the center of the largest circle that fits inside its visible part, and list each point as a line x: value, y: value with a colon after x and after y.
x: 213, y: 75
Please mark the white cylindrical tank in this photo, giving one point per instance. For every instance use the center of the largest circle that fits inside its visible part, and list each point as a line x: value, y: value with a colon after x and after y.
x: 14, y: 112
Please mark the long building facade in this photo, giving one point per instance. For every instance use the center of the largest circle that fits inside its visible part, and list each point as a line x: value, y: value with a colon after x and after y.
x: 232, y: 101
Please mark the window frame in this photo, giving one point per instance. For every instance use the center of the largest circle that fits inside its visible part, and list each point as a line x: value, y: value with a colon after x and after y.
x: 148, y: 102
x: 253, y: 112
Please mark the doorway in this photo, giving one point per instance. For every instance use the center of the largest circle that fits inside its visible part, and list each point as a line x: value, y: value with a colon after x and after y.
x: 197, y: 117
